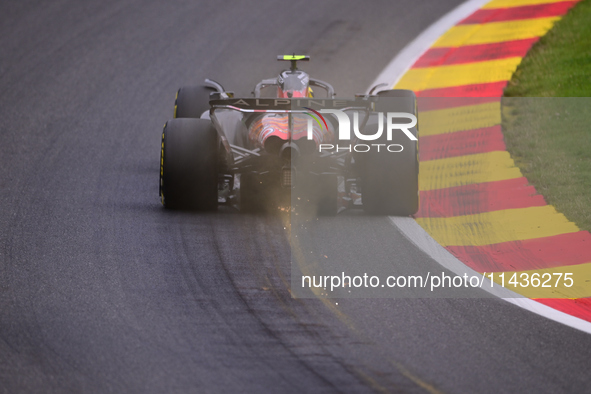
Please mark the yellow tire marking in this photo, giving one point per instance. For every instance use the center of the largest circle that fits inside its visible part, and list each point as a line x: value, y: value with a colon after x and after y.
x: 495, y: 32
x: 460, y: 118
x: 460, y: 74
x: 467, y: 170
x: 498, y: 226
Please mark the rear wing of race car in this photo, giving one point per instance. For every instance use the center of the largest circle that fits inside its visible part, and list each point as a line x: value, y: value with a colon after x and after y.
x: 288, y: 105
x: 252, y: 107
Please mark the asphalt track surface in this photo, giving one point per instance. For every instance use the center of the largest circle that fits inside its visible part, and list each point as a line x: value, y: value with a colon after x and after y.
x: 101, y: 290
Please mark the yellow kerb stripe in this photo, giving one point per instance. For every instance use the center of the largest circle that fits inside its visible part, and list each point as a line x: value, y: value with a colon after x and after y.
x: 467, y: 170
x: 498, y: 226
x: 495, y: 32
x: 459, y: 118
x: 581, y: 282
x: 457, y: 75
x: 518, y: 3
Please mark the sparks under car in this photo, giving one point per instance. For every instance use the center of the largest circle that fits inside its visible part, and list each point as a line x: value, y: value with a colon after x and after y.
x: 285, y: 144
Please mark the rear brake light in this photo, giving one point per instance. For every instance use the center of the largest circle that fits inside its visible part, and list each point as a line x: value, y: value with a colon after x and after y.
x: 286, y: 177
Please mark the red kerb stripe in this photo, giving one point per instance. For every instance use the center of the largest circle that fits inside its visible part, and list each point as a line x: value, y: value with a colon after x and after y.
x: 461, y: 143
x: 579, y: 307
x: 474, y: 53
x: 434, y: 103
x: 492, y: 89
x: 478, y: 198
x: 548, y: 252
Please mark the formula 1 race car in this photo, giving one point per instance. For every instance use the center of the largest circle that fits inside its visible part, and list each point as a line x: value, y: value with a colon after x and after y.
x: 288, y: 144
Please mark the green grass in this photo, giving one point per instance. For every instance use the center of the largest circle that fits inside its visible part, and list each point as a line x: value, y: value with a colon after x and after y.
x: 550, y: 137
x: 559, y: 64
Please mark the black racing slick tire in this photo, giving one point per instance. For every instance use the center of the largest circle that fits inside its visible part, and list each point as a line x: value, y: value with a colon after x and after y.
x: 192, y: 101
x: 403, y: 100
x: 189, y: 165
x: 390, y: 180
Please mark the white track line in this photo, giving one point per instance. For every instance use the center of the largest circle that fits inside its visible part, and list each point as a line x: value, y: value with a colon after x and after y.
x: 409, y: 227
x: 418, y: 236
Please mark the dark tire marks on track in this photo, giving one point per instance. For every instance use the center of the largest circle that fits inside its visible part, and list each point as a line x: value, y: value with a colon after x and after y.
x: 101, y: 289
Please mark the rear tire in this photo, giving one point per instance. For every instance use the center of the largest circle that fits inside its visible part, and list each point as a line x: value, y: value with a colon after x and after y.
x: 192, y: 101
x: 404, y: 101
x: 189, y: 165
x: 390, y: 181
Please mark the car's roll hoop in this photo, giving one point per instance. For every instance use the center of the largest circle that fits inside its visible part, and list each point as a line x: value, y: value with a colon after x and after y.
x: 294, y: 59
